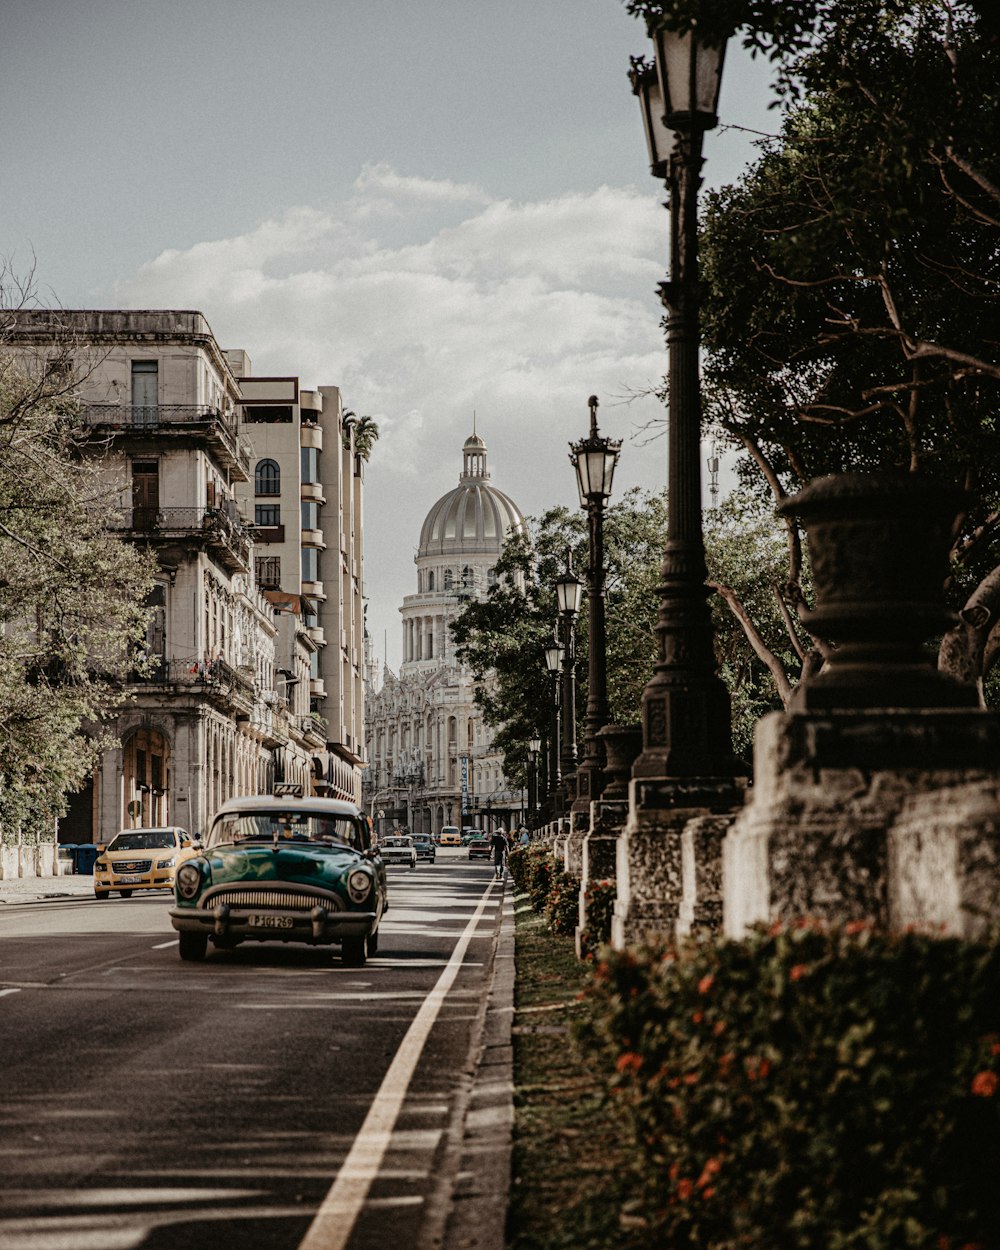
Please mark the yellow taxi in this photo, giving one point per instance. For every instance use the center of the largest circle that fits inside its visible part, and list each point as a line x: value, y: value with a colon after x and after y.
x: 450, y: 836
x: 141, y: 859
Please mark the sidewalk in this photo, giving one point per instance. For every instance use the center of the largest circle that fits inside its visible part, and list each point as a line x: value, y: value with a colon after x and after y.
x: 32, y: 889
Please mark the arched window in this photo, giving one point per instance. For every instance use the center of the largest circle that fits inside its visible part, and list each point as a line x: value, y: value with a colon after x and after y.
x: 448, y: 579
x: 267, y: 478
x: 430, y: 580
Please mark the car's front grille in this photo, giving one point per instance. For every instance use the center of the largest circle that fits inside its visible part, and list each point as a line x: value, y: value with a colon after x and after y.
x: 132, y: 865
x: 287, y: 900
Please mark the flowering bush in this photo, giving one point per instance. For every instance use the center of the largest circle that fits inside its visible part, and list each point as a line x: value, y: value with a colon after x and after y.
x: 808, y: 1089
x: 519, y: 860
x: 562, y: 907
x: 599, y: 902
x: 541, y: 870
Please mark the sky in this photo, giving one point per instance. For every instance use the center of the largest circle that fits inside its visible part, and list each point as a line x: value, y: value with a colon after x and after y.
x: 441, y: 206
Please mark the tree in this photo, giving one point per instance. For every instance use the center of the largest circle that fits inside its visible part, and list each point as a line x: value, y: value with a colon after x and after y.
x: 365, y: 432
x: 503, y: 636
x: 72, y: 620
x: 852, y: 276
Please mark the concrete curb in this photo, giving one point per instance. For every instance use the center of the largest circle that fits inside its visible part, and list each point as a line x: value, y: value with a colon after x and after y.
x: 35, y: 889
x: 478, y: 1216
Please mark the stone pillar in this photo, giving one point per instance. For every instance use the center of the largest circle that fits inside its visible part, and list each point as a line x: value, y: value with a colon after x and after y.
x: 701, y: 873
x: 890, y: 817
x: 650, y: 866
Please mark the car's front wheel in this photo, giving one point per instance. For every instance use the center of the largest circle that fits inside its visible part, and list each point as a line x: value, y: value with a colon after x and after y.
x: 100, y: 894
x: 353, y: 953
x: 193, y: 946
x: 125, y: 893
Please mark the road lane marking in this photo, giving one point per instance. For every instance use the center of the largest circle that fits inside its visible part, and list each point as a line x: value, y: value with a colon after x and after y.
x: 16, y: 990
x: 162, y: 946
x: 338, y: 1213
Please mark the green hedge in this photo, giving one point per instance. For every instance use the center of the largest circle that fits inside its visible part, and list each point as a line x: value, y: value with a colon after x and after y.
x: 807, y: 1090
x: 599, y: 902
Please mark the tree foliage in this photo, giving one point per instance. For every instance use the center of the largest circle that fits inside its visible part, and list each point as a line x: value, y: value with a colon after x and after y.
x: 852, y: 275
x: 71, y: 600
x: 503, y: 636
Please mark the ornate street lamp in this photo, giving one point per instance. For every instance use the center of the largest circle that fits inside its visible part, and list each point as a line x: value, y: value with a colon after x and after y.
x: 569, y: 593
x: 685, y: 705
x: 553, y: 662
x: 534, y: 748
x: 594, y: 459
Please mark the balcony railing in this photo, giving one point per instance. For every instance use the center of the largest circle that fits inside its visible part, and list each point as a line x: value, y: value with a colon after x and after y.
x: 221, y: 429
x: 226, y: 536
x: 217, y: 678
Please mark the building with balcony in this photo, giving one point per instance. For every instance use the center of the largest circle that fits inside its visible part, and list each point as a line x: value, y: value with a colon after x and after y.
x: 305, y: 497
x: 431, y: 757
x: 225, y: 705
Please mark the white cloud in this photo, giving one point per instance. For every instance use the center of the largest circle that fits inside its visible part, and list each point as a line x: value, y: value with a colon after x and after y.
x: 517, y: 311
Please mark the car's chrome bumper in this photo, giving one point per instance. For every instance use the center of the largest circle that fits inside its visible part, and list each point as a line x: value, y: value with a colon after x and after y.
x: 318, y: 926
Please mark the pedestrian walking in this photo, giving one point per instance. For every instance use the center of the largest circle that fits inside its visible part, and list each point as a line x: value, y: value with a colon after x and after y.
x: 498, y: 844
x: 523, y: 836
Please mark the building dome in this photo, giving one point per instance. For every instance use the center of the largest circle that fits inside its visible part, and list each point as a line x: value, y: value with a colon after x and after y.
x: 473, y: 519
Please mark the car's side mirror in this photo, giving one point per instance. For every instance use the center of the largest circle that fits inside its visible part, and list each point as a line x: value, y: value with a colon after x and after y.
x: 196, y: 846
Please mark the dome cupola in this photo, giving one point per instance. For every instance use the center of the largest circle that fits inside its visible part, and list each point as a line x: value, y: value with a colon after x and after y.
x: 475, y: 518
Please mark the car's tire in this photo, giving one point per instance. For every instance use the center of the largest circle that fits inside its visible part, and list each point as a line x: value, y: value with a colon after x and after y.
x: 353, y: 953
x: 193, y: 946
x: 371, y: 943
x: 125, y: 893
x: 101, y: 895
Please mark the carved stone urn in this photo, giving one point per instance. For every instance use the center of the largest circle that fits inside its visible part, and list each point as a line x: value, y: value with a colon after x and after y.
x: 623, y: 743
x: 878, y: 549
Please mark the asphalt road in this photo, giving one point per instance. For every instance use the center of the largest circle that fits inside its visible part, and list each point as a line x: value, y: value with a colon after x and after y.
x: 146, y: 1102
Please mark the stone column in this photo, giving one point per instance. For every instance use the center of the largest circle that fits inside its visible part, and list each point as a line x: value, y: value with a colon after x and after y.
x: 890, y: 817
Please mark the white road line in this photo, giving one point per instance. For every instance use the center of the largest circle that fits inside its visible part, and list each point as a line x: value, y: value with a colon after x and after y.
x: 14, y: 991
x: 162, y: 946
x: 338, y: 1213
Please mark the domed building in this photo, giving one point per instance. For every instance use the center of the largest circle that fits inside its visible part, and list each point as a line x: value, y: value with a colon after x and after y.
x: 431, y: 758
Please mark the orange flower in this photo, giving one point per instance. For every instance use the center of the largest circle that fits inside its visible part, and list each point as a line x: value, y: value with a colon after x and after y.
x: 984, y: 1084
x: 628, y: 1062
x: 707, y: 1193
x: 684, y: 1189
x: 855, y: 926
x: 706, y: 983
x: 698, y: 1017
x: 718, y: 1028
x: 944, y: 1242
x: 690, y: 1078
x: 995, y: 1048
x: 711, y: 1168
x: 796, y: 971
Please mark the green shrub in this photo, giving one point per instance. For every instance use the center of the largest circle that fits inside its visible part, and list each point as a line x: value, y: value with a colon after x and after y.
x: 562, y: 907
x: 541, y: 869
x: 807, y: 1089
x: 518, y: 861
x: 599, y: 902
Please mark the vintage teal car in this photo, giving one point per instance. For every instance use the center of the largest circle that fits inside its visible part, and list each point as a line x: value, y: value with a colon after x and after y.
x: 284, y: 869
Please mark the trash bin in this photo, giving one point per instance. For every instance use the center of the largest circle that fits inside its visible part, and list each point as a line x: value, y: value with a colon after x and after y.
x: 84, y: 858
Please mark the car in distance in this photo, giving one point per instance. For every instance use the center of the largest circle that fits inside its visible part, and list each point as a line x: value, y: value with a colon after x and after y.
x: 424, y: 847
x: 479, y: 847
x: 141, y: 859
x: 283, y: 868
x: 397, y: 849
x: 469, y: 833
x: 450, y: 836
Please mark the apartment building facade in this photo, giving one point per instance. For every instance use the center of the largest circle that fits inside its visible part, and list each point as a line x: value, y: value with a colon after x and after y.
x: 225, y: 706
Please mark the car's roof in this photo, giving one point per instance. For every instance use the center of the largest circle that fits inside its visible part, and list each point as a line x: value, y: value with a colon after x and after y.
x: 154, y: 829
x: 268, y: 802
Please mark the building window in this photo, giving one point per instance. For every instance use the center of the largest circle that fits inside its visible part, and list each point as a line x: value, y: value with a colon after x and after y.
x: 267, y: 478
x: 449, y: 579
x: 145, y: 389
x: 430, y: 580
x: 268, y: 570
x: 271, y: 413
x: 267, y: 515
x: 310, y: 464
x: 310, y: 514
x: 310, y: 564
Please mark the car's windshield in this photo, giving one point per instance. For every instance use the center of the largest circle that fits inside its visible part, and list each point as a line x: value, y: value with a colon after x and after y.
x: 290, y: 826
x: 397, y: 842
x: 142, y: 840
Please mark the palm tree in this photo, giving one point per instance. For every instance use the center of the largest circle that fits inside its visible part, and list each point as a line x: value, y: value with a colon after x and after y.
x: 365, y: 434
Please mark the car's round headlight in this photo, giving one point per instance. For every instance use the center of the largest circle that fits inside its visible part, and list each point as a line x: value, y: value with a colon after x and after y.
x: 359, y: 885
x: 188, y: 880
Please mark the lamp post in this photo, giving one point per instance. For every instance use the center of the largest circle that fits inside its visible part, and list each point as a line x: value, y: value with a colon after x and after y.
x: 534, y: 747
x: 569, y: 592
x: 685, y: 706
x: 553, y: 662
x: 594, y: 459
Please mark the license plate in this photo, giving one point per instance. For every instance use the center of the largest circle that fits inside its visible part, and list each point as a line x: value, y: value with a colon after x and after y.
x: 130, y: 880
x: 269, y: 922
